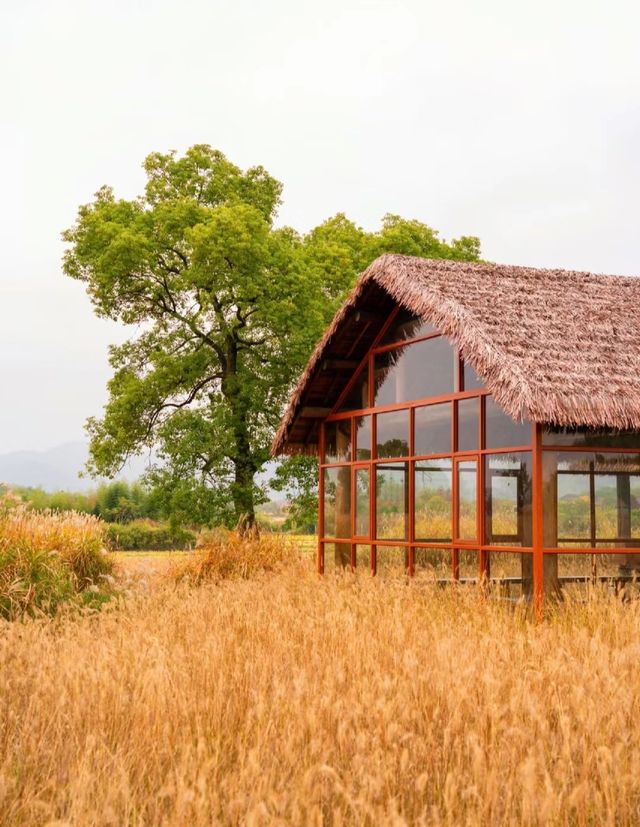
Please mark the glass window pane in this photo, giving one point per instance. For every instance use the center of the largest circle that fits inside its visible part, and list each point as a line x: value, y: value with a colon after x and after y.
x: 362, y: 502
x: 507, y: 499
x: 591, y: 499
x: 634, y: 505
x: 574, y: 507
x: 433, y: 563
x: 468, y: 564
x: 611, y: 513
x: 363, y: 437
x: 433, y: 429
x: 358, y: 394
x: 337, y: 502
x: 500, y: 430
x: 392, y: 434
x: 591, y: 437
x: 363, y: 558
x: 510, y: 574
x: 337, y: 441
x: 468, y: 424
x: 392, y: 559
x: 433, y: 500
x: 406, y: 326
x: 392, y: 504
x: 417, y: 371
x: 577, y: 576
x: 467, y: 528
x: 337, y: 556
x: 470, y: 379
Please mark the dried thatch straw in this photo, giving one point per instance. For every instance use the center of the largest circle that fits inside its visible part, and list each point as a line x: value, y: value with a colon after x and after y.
x: 553, y: 346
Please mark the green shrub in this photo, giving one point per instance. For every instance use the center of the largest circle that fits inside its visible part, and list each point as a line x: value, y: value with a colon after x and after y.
x: 141, y: 535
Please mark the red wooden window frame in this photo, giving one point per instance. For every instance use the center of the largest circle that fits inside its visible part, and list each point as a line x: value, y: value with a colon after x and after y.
x: 535, y: 447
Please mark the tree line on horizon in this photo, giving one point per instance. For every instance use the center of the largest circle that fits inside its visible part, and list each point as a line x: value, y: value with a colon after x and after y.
x: 114, y: 502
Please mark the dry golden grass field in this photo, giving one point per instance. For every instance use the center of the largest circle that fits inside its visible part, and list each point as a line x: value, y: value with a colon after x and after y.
x: 220, y: 694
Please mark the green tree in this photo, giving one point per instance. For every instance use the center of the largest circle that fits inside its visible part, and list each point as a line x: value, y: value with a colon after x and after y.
x: 197, y: 266
x: 226, y: 309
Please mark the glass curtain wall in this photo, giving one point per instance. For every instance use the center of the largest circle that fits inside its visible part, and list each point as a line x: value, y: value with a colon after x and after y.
x: 591, y: 507
x: 425, y: 473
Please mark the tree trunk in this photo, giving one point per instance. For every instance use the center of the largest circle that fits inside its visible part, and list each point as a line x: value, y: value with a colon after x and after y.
x: 243, y: 499
x: 245, y: 468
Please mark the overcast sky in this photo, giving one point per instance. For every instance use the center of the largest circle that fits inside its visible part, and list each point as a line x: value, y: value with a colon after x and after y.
x: 518, y: 122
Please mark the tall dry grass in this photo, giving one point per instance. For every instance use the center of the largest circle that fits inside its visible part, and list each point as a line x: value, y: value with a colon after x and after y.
x: 225, y: 555
x: 48, y: 558
x: 288, y: 699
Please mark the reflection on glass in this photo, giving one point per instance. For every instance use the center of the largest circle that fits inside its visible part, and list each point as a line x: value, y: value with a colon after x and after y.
x: 406, y: 326
x: 467, y: 528
x: 574, y: 506
x: 468, y: 424
x: 337, y: 441
x: 392, y: 434
x: 591, y: 437
x: 392, y: 501
x: 362, y: 502
x: 337, y: 502
x: 612, y: 505
x: 470, y: 379
x: 363, y: 437
x: 417, y: 371
x: 500, y: 430
x: 591, y: 499
x: 507, y: 499
x: 433, y: 429
x: 433, y: 500
x: 336, y: 556
x: 358, y: 394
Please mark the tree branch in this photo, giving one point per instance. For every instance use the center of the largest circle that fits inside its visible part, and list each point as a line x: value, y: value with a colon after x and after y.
x: 206, y: 337
x: 178, y: 405
x: 180, y: 255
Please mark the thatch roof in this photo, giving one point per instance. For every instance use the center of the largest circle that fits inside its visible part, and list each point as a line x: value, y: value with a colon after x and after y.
x: 552, y: 346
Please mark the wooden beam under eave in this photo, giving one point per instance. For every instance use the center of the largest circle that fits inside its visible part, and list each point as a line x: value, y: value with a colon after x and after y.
x: 314, y: 413
x: 366, y: 315
x: 340, y: 364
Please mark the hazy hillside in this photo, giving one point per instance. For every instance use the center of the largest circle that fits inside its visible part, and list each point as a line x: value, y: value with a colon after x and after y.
x: 57, y: 468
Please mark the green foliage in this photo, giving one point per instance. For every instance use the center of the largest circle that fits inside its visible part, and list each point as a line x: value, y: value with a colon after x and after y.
x: 338, y: 250
x: 227, y: 309
x: 140, y: 535
x: 119, y: 502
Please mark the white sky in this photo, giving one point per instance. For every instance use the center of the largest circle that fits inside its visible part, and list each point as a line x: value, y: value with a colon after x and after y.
x: 515, y: 121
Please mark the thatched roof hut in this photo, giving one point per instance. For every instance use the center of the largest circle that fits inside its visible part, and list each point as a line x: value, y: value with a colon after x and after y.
x: 551, y: 346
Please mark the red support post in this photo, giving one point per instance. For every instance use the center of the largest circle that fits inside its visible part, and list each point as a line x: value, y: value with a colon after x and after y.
x: 538, y: 553
x: 320, y: 552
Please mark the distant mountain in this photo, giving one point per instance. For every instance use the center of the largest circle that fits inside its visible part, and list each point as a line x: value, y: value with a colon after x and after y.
x: 57, y: 468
